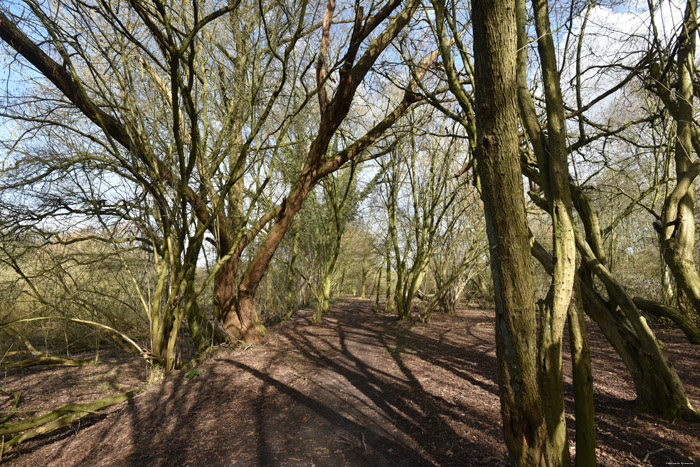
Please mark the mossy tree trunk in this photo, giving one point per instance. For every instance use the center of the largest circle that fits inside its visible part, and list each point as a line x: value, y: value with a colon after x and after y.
x: 551, y: 152
x: 495, y: 49
x: 291, y: 301
x: 583, y: 381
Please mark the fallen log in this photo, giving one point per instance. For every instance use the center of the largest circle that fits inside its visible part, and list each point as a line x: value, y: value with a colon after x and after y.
x: 47, y: 360
x: 59, y: 418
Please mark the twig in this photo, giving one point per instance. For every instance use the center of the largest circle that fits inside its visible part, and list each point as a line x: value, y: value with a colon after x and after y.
x: 345, y: 440
x: 646, y: 457
x: 12, y: 411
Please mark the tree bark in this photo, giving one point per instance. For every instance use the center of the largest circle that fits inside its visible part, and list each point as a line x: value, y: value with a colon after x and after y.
x: 291, y: 302
x: 378, y: 288
x: 583, y: 381
x: 552, y: 159
x: 495, y: 49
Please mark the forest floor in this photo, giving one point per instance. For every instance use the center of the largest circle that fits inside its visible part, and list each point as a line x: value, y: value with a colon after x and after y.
x: 360, y: 389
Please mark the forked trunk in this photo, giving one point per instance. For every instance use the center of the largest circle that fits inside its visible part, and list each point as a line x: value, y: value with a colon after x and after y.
x: 236, y: 311
x: 246, y: 320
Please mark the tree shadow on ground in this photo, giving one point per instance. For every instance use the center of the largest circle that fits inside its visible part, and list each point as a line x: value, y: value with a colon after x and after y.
x: 359, y: 389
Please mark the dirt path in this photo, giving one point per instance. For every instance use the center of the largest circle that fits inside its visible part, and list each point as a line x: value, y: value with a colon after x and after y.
x: 360, y: 389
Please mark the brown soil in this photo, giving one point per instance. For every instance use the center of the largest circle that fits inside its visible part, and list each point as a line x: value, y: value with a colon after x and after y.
x: 359, y: 389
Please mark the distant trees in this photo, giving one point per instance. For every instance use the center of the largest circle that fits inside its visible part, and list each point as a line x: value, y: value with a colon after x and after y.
x: 324, y: 219
x: 425, y: 203
x: 73, y: 281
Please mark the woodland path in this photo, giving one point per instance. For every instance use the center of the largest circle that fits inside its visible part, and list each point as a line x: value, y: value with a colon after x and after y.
x: 360, y: 389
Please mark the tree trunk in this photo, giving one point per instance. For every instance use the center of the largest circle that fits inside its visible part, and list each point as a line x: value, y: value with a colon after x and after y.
x: 378, y: 289
x: 324, y: 299
x: 244, y: 325
x: 324, y: 302
x: 551, y: 151
x: 682, y: 320
x: 326, y: 293
x: 659, y: 390
x: 291, y: 304
x: 225, y: 292
x: 389, y: 305
x: 677, y: 238
x: 408, y: 288
x: 448, y: 302
x: 583, y: 381
x: 665, y: 394
x: 668, y: 291
x: 363, y: 280
x: 237, y: 312
x: 165, y: 315
x: 201, y: 333
x: 495, y: 48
